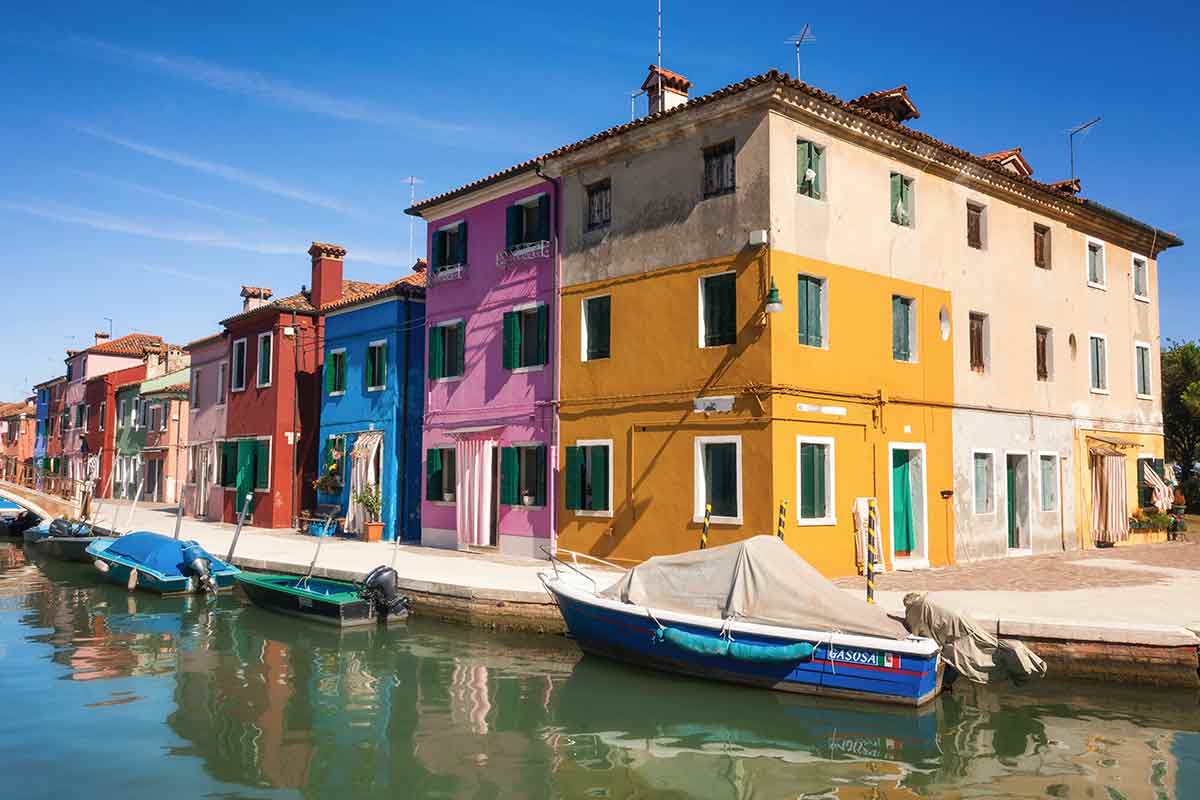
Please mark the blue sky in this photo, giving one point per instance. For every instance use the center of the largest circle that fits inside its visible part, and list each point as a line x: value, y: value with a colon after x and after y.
x: 156, y: 159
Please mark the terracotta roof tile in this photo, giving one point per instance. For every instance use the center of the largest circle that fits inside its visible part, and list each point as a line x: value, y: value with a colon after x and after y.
x: 894, y: 102
x: 410, y: 285
x: 671, y: 80
x: 9, y: 410
x: 1070, y: 186
x: 301, y: 302
x: 327, y: 249
x: 1012, y: 156
x: 203, y: 340
x: 256, y: 291
x: 131, y: 344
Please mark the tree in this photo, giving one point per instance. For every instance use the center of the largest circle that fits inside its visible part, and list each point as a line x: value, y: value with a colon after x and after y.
x: 1181, y: 402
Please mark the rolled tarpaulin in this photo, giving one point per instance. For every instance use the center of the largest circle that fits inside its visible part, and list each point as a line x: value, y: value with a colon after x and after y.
x: 720, y: 646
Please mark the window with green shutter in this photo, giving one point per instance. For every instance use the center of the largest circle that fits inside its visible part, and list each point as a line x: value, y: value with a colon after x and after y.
x: 811, y: 309
x: 376, y: 366
x: 440, y: 474
x: 718, y: 299
x: 448, y: 247
x: 597, y: 327
x: 237, y: 381
x: 1142, y: 365
x: 262, y: 464
x: 526, y: 337
x: 447, y: 355
x: 719, y: 474
x: 816, y: 480
x: 228, y: 464
x: 901, y: 199
x: 1095, y: 261
x: 527, y: 222
x: 335, y: 371
x: 810, y: 176
x: 1098, y: 349
x: 265, y: 348
x: 523, y: 475
x: 903, y: 330
x: 587, y: 477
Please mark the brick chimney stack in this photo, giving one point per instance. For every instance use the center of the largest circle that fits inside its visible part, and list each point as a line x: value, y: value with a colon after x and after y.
x: 326, y: 272
x: 101, y: 337
x: 255, y: 297
x: 674, y: 88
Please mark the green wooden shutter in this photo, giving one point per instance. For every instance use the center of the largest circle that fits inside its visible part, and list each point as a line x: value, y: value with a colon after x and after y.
x: 369, y: 368
x: 802, y: 164
x: 819, y: 453
x: 720, y: 470
x: 897, y: 183
x: 720, y: 310
x: 510, y: 476
x: 599, y: 327
x: 437, y: 344
x: 228, y: 463
x: 816, y: 160
x: 381, y: 365
x: 543, y: 231
x: 543, y: 332
x: 329, y: 373
x: 807, y: 488
x: 513, y: 218
x: 809, y: 310
x: 899, y: 329
x: 262, y: 464
x: 598, y: 473
x: 573, y: 480
x: 460, y: 249
x: 539, y: 481
x: 435, y: 254
x: 433, y: 474
x: 460, y: 350
x: 512, y: 340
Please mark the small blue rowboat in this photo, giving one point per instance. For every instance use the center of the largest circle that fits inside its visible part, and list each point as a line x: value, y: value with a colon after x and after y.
x: 837, y: 647
x: 160, y: 564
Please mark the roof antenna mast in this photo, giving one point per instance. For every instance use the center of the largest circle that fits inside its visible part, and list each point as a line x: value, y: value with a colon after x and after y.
x: 660, y: 92
x: 805, y: 36
x: 1071, y: 141
x: 412, y: 180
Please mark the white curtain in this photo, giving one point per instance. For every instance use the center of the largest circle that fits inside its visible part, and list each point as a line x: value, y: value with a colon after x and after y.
x: 362, y: 476
x: 473, y: 491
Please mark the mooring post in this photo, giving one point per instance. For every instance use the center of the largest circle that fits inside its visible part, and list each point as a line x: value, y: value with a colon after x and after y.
x: 707, y: 524
x: 872, y: 552
x: 136, y: 497
x: 782, y: 519
x: 238, y: 530
x: 178, y: 518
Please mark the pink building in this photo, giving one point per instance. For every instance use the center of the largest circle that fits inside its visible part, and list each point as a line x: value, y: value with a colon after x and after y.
x: 164, y: 455
x: 202, y: 495
x: 490, y: 424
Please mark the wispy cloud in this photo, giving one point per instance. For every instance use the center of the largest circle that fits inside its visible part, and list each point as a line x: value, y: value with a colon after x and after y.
x: 184, y: 274
x: 230, y: 173
x: 269, y: 89
x: 98, y: 220
x: 159, y: 193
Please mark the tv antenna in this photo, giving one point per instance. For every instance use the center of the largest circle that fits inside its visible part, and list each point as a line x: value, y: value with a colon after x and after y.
x: 805, y: 36
x: 413, y: 180
x: 1071, y: 141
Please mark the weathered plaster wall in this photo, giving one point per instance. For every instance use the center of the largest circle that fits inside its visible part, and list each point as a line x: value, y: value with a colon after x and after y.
x: 206, y: 421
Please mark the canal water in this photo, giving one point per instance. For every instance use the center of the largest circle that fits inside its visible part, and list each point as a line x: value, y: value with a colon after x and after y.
x: 112, y: 694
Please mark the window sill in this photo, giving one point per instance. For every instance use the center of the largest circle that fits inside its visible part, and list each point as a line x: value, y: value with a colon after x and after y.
x: 262, y: 386
x: 991, y: 513
x: 236, y: 389
x: 376, y: 388
x: 1145, y: 397
x: 813, y: 523
x: 717, y: 346
x: 1094, y: 390
x: 720, y: 192
x: 905, y: 360
x: 454, y: 272
x: 581, y: 513
x: 815, y: 346
x: 1101, y: 286
x: 533, y: 368
x: 449, y: 379
x: 337, y: 394
x: 601, y: 227
x: 442, y: 503
x: 718, y: 520
x: 1141, y: 298
x: 533, y: 507
x: 909, y: 564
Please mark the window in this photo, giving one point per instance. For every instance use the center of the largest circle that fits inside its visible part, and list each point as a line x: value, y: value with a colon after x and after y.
x: 599, y: 205
x: 1048, y: 471
x: 811, y: 310
x: 597, y: 328
x: 440, y: 474
x: 718, y: 479
x: 528, y: 222
x: 718, y: 310
x: 222, y: 372
x: 979, y: 341
x: 1095, y: 265
x: 262, y: 465
x: 1144, y: 487
x: 335, y: 459
x: 588, y: 478
x: 904, y: 331
x: 83, y: 417
x: 376, y: 366
x: 1141, y: 352
x: 194, y: 389
x: 1099, y: 362
x: 265, y: 342
x: 239, y: 366
x: 815, y: 481
x: 143, y: 411
x: 523, y: 475
x: 901, y: 199
x: 1041, y: 246
x: 527, y: 337
x: 157, y: 417
x: 985, y: 482
x: 976, y: 219
x: 335, y: 372
x: 810, y: 169
x: 446, y: 350
x: 1141, y: 279
x: 1043, y: 342
x: 103, y: 413
x: 720, y: 170
x: 449, y: 247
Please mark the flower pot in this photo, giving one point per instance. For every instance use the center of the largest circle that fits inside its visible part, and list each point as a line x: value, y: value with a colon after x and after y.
x: 448, y: 497
x: 527, y: 500
x: 372, y: 531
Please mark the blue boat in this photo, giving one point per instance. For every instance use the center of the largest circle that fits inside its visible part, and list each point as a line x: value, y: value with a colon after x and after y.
x: 753, y: 613
x: 160, y: 564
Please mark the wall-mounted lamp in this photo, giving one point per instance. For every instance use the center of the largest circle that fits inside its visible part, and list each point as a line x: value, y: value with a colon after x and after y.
x: 774, y: 303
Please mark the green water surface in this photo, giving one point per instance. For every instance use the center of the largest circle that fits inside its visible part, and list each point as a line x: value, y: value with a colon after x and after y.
x: 112, y: 694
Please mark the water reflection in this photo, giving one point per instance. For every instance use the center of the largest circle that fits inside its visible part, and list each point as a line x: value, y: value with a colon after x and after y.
x: 258, y: 703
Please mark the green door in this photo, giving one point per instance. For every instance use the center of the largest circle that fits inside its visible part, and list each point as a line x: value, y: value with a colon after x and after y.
x: 1014, y: 539
x: 245, y: 473
x: 902, y: 511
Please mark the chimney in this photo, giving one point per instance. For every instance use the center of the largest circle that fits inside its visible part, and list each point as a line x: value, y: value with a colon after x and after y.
x: 420, y: 266
x: 254, y: 297
x: 674, y: 89
x: 326, y: 272
x: 101, y: 337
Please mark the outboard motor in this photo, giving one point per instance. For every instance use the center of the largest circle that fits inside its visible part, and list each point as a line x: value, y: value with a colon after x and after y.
x: 381, y: 588
x: 196, y: 561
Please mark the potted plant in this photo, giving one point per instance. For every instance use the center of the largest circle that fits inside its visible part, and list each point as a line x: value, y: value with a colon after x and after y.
x: 330, y: 481
x: 371, y: 499
x: 527, y: 499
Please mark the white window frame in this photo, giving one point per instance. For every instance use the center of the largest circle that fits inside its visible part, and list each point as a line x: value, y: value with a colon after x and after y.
x: 258, y: 381
x: 700, y: 309
x: 446, y: 323
x: 698, y: 485
x: 234, y: 379
x: 222, y: 380
x: 375, y: 343
x: 1133, y: 266
x: 520, y: 311
x: 608, y: 512
x: 1042, y: 454
x: 991, y: 452
x: 1103, y: 284
x: 346, y: 377
x: 1139, y: 345
x: 583, y: 328
x: 1107, y: 388
x: 830, y: 517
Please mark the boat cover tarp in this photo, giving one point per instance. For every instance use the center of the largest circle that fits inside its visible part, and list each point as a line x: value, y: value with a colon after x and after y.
x: 157, y: 552
x: 978, y: 655
x: 755, y: 580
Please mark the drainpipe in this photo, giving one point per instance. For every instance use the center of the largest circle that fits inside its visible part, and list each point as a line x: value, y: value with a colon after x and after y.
x: 556, y: 379
x: 402, y: 516
x: 296, y: 413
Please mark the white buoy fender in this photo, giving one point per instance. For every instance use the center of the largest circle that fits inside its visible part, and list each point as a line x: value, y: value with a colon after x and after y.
x: 100, y: 565
x: 133, y: 579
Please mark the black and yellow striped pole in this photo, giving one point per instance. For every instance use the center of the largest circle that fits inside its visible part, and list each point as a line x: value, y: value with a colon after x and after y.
x: 707, y: 524
x: 872, y: 551
x: 782, y: 519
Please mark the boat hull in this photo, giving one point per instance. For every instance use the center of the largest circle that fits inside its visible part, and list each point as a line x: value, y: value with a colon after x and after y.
x: 861, y: 671
x: 321, y: 600
x: 65, y: 548
x: 119, y: 569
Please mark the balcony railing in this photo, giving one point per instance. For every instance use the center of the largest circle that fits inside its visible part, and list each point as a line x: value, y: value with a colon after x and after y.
x: 450, y: 272
x: 531, y: 251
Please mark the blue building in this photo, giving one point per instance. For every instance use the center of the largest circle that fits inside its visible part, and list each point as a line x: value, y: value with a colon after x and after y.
x: 374, y: 383
x: 45, y: 395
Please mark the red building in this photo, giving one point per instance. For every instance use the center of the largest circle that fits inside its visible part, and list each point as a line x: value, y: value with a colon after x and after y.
x: 99, y: 435
x: 18, y: 432
x: 275, y: 356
